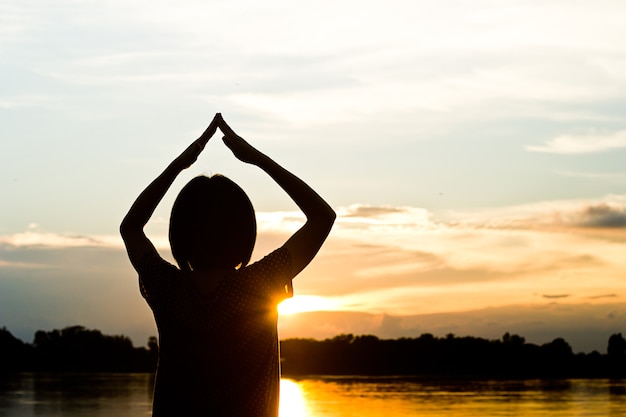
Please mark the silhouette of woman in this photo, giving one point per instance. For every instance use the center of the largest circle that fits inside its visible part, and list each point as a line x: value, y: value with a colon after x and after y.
x: 216, y: 315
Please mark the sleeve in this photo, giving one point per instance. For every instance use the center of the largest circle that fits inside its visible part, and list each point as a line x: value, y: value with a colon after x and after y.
x: 156, y: 277
x: 271, y: 276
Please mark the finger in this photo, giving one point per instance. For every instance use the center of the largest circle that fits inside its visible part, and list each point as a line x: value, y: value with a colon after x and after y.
x: 209, y: 132
x: 225, y: 128
x: 214, y: 123
x: 216, y: 120
x: 211, y: 128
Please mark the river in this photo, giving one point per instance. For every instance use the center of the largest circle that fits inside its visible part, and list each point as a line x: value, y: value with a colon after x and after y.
x: 130, y: 395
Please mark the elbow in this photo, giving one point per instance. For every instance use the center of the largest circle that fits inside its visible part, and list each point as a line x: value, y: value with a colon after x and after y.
x: 124, y: 229
x: 323, y: 218
x: 332, y: 216
x: 328, y: 218
x: 127, y: 228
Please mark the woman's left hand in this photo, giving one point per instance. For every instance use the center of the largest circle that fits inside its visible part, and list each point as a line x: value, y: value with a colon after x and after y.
x: 210, y: 131
x: 190, y: 155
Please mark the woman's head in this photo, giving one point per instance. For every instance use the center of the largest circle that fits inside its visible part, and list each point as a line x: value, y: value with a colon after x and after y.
x: 212, y: 225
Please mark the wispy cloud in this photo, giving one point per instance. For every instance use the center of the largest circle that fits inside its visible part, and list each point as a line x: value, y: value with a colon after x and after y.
x: 581, y: 144
x: 55, y: 240
x: 604, y: 213
x: 596, y: 297
x: 613, y: 177
x: 367, y: 211
x: 4, y: 264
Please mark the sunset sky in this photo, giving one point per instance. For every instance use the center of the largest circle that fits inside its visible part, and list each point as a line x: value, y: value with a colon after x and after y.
x: 474, y: 151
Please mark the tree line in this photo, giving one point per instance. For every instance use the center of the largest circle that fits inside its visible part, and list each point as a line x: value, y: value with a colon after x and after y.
x: 75, y: 349
x: 78, y: 349
x: 509, y: 357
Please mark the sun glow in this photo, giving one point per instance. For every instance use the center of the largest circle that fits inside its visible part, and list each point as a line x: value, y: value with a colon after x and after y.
x: 305, y: 303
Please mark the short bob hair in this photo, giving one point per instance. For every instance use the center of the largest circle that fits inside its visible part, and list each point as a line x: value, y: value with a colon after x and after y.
x: 212, y: 225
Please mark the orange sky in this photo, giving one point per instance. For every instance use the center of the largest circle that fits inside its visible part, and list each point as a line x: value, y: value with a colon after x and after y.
x: 559, y: 263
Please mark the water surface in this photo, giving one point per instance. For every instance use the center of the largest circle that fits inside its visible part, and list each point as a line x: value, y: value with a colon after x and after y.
x: 395, y: 397
x: 130, y: 395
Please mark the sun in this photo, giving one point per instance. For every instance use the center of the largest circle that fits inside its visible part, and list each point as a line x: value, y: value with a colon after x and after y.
x: 305, y: 303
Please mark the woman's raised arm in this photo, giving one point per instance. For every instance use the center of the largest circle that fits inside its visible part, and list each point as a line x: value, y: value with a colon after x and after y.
x: 131, y: 229
x: 306, y: 242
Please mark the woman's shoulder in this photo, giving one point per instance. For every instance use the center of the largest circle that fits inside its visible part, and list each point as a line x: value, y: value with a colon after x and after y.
x: 272, y: 273
x: 151, y: 262
x: 277, y: 260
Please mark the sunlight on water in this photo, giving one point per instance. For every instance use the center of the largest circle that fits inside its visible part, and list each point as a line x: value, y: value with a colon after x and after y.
x: 399, y: 397
x: 292, y: 402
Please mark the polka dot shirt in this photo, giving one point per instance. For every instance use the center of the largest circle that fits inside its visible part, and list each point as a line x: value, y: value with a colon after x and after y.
x: 218, y: 353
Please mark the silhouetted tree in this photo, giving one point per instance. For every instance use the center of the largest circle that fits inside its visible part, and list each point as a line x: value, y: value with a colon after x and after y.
x: 616, y: 351
x: 555, y: 359
x: 514, y: 340
x: 76, y: 348
x: 13, y: 352
x: 617, y: 346
x: 153, y: 344
x: 153, y: 352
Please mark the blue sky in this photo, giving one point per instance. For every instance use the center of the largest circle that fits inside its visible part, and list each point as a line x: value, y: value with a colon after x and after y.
x: 473, y: 149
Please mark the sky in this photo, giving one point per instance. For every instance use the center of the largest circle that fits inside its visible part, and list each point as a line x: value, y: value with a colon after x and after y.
x: 473, y: 150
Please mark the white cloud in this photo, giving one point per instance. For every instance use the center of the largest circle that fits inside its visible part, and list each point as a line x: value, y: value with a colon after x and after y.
x: 400, y: 57
x: 25, y: 101
x: 279, y: 221
x: 581, y: 144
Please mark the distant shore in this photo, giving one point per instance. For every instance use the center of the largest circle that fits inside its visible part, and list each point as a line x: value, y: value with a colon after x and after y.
x: 78, y: 349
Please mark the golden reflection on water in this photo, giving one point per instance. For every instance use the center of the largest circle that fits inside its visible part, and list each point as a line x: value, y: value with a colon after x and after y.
x: 325, y: 398
x: 372, y: 397
x: 292, y: 402
x: 335, y: 398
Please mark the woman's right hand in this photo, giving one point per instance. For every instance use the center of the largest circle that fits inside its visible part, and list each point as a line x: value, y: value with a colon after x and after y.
x: 240, y: 148
x: 304, y: 244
